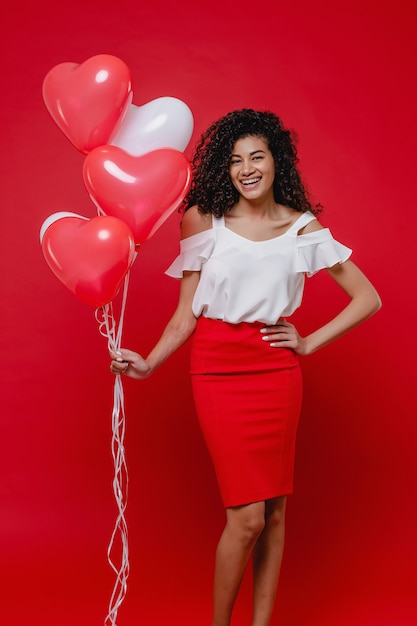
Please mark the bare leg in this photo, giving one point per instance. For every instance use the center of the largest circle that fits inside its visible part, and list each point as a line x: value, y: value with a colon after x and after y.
x: 267, y: 558
x: 243, y: 527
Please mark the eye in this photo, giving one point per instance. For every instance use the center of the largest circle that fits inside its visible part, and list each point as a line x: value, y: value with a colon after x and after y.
x: 257, y: 158
x: 234, y: 161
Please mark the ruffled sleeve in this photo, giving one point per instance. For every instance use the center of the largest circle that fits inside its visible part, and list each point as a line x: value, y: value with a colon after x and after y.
x: 318, y: 250
x: 194, y: 251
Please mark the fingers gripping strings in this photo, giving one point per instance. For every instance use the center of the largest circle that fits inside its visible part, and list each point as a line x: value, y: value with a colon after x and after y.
x: 112, y: 330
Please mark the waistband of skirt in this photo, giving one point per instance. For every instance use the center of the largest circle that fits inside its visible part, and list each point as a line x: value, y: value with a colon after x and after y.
x: 226, y: 348
x: 219, y: 323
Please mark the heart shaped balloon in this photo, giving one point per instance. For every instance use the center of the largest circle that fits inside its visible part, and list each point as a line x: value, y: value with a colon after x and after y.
x: 143, y: 191
x: 162, y: 123
x: 90, y: 257
x: 88, y: 101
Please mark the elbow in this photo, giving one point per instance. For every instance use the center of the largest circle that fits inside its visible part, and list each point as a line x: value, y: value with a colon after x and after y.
x: 377, y: 302
x: 183, y: 327
x: 374, y: 303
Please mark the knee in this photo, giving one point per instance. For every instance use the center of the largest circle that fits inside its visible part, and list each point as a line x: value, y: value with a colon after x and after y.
x: 248, y: 523
x: 275, y: 512
x: 253, y: 526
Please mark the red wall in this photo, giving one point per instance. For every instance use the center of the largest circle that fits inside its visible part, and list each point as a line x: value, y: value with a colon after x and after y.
x: 342, y: 75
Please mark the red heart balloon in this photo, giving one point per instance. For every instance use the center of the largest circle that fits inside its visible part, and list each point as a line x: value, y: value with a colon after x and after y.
x: 143, y: 191
x: 89, y: 256
x: 89, y: 101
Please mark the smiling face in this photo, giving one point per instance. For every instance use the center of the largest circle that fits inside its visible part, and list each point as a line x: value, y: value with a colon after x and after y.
x: 252, y: 168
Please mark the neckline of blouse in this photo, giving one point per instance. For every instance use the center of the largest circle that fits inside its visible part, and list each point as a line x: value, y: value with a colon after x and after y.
x: 222, y: 224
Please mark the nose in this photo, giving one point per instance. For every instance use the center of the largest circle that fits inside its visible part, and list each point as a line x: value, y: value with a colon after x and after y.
x: 246, y: 168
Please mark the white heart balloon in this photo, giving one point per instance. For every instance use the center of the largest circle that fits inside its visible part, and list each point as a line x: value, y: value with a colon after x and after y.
x: 166, y: 122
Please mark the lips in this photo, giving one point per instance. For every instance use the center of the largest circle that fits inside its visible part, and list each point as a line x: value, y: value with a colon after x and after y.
x: 250, y: 181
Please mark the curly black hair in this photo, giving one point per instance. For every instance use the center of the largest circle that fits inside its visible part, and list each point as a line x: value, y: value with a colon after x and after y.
x: 212, y: 189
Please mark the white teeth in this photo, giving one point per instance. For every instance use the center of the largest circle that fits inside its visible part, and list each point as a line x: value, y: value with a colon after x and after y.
x: 251, y: 181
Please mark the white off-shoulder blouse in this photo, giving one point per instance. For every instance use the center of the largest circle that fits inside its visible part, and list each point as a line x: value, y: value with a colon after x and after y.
x: 254, y: 281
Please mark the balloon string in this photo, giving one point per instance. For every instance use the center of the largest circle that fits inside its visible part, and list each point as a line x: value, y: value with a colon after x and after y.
x: 112, y: 330
x: 120, y: 490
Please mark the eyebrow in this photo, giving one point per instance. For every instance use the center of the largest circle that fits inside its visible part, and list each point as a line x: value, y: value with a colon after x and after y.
x: 250, y: 153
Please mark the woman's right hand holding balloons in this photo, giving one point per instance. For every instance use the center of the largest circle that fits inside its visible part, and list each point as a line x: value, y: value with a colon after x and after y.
x: 129, y: 363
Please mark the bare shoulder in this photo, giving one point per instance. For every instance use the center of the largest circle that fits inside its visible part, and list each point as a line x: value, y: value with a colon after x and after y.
x: 311, y: 227
x: 194, y: 222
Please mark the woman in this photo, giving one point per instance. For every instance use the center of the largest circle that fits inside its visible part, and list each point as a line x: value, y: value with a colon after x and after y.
x: 248, y: 238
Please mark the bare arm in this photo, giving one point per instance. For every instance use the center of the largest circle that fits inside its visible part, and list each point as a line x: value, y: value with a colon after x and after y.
x: 181, y: 325
x: 364, y: 302
x: 179, y: 328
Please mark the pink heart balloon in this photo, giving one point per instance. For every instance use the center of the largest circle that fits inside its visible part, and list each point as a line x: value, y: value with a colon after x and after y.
x: 88, y: 101
x: 90, y: 257
x: 143, y: 191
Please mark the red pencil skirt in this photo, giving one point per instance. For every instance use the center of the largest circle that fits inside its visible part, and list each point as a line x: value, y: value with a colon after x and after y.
x: 248, y: 399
